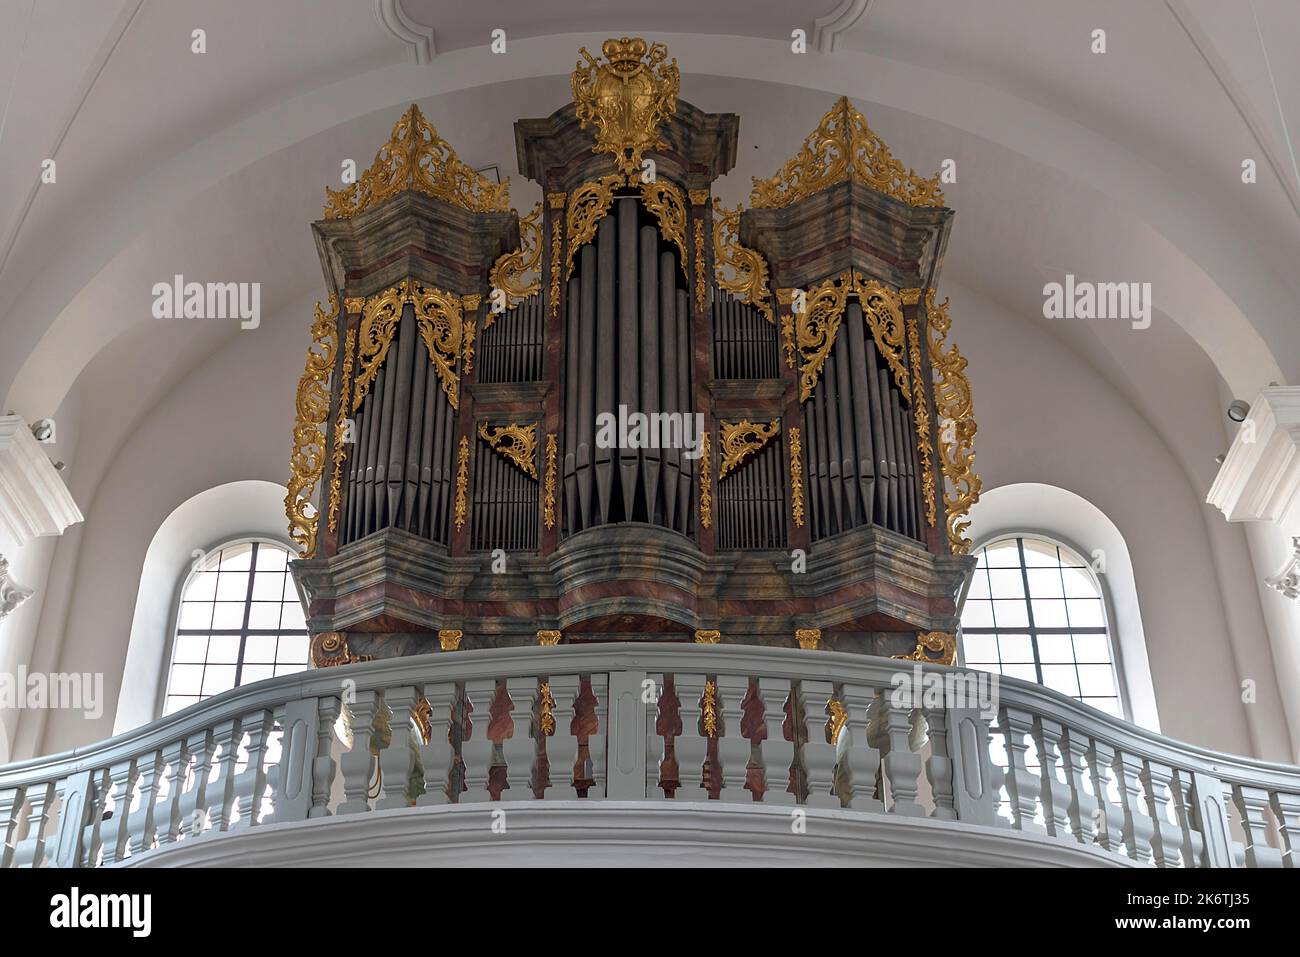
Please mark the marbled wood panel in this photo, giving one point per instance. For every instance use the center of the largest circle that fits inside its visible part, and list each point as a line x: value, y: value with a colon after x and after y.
x: 413, y: 235
x: 849, y: 225
x: 556, y: 152
x: 634, y: 579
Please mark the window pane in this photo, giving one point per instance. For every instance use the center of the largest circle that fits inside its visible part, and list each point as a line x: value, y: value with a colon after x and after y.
x: 1071, y: 558
x: 1094, y: 648
x: 177, y: 702
x: 186, y: 679
x: 264, y: 614
x: 1040, y: 554
x: 218, y: 678
x: 232, y: 586
x: 1061, y: 678
x: 256, y: 673
x: 235, y: 557
x: 1010, y: 614
x: 191, y: 648
x: 292, y: 618
x: 260, y: 648
x: 1096, y: 680
x: 1055, y: 649
x: 1045, y: 583
x: 1003, y: 554
x: 292, y: 650
x: 290, y: 669
x: 1049, y: 613
x: 195, y: 614
x: 223, y: 649
x: 981, y: 648
x: 268, y: 586
x: 1109, y: 705
x: 271, y: 558
x: 1006, y: 583
x: 1023, y: 672
x: 979, y: 585
x: 977, y: 613
x: 202, y: 587
x: 1079, y: 583
x: 229, y: 614
x: 1016, y: 648
x: 1086, y: 613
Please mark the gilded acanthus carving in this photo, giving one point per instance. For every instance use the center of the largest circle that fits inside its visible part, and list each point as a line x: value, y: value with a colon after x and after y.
x: 548, y: 487
x: 461, y: 506
x: 517, y: 444
x: 441, y: 323
x: 956, y: 414
x: 417, y: 158
x: 626, y: 97
x: 518, y: 273
x: 739, y: 440
x: 921, y: 415
x: 740, y: 270
x: 844, y: 147
x: 706, y: 482
x: 796, y: 477
x: 588, y: 205
x: 934, y: 647
x: 311, y: 408
x: 341, y: 430
x: 668, y: 205
x: 330, y: 648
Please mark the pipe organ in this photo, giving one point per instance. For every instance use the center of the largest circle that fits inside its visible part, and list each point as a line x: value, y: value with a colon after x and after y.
x: 633, y: 412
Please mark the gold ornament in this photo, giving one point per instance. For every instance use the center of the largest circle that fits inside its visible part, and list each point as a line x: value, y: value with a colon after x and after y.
x: 557, y: 240
x: 669, y: 207
x: 626, y: 97
x: 837, y: 720
x: 742, y: 439
x: 934, y: 647
x: 516, y: 443
x: 546, y: 717
x: 330, y: 648
x: 844, y: 147
x: 548, y: 637
x: 417, y: 158
x: 706, y: 483
x: 439, y: 319
x: 956, y: 414
x: 449, y: 639
x: 921, y: 412
x: 588, y: 205
x: 708, y: 637
x: 462, y: 482
x: 311, y: 408
x: 548, y: 488
x: 701, y: 286
x: 340, y: 430
x: 809, y: 638
x: 509, y: 270
x: 796, y: 477
x: 709, y: 709
x: 740, y: 270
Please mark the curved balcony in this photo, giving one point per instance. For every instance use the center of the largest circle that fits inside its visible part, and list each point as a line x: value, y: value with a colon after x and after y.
x: 645, y: 754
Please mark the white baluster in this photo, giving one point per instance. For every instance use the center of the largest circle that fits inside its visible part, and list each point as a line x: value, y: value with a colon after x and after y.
x: 436, y: 756
x: 976, y: 780
x: 1165, y: 839
x: 30, y: 852
x: 1082, y: 809
x: 778, y: 753
x: 691, y: 746
x: 96, y: 803
x: 1138, y: 828
x: 1107, y: 818
x: 11, y: 805
x: 818, y: 754
x: 733, y: 749
x: 194, y: 806
x: 291, y: 792
x: 357, y: 761
x: 395, y: 760
x: 76, y: 802
x: 149, y: 767
x: 597, y: 741
x: 478, y: 751
x: 520, y: 747
x: 1055, y: 792
x: 250, y: 788
x: 655, y: 745
x: 123, y: 778
x: 324, y: 767
x: 1022, y: 785
x: 857, y: 762
x: 1190, y: 843
x: 892, y: 735
x: 562, y: 746
x: 1286, y: 807
x: 939, y: 766
x: 1252, y: 804
x: 167, y: 815
x: 227, y: 736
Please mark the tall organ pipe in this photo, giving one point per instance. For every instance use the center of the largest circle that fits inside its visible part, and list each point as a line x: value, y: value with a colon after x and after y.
x: 606, y: 351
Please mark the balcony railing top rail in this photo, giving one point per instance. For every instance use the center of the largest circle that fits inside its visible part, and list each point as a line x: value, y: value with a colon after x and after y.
x: 651, y: 722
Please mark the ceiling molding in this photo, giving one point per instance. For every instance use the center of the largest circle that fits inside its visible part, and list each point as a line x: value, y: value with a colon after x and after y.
x: 827, y: 29
x: 417, y: 36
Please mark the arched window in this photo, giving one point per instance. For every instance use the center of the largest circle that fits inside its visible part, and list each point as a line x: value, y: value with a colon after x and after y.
x: 1035, y: 611
x: 239, y: 621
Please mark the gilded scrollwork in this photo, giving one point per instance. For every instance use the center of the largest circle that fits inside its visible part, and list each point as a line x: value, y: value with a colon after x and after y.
x: 740, y: 270
x: 796, y: 476
x: 588, y: 205
x: 935, y: 647
x: 518, y: 273
x: 548, y: 489
x: 706, y: 482
x: 461, y: 506
x: 844, y: 147
x: 921, y: 414
x: 516, y: 443
x: 341, y: 430
x: 311, y: 408
x: 956, y: 414
x: 668, y: 205
x: 739, y: 440
x: 626, y: 97
x: 441, y: 323
x: 417, y: 158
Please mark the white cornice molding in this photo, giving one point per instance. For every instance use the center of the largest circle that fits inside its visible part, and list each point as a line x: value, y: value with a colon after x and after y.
x: 827, y: 29
x: 415, y: 35
x: 34, y: 501
x: 1259, y: 480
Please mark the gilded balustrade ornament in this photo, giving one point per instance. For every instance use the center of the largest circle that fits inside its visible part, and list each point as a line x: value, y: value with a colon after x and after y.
x: 709, y: 709
x: 818, y: 324
x: 796, y: 477
x: 740, y: 270
x: 509, y: 271
x: 311, y: 409
x: 844, y: 147
x: 956, y: 415
x: 934, y: 647
x: 548, y: 487
x: 462, y: 482
x: 422, y: 715
x: 440, y: 321
x: 546, y: 709
x: 626, y: 97
x: 417, y: 158
x: 836, y: 721
x: 517, y: 444
x: 921, y: 413
x: 739, y: 440
x: 341, y: 431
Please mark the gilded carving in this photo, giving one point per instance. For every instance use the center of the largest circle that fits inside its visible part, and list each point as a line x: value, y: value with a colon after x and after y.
x: 417, y: 158
x: 796, y: 477
x: 341, y: 430
x: 809, y: 638
x: 740, y: 270
x: 708, y: 636
x: 441, y: 324
x: 516, y: 443
x: 546, y: 709
x: 557, y: 241
x: 921, y: 413
x: 311, y: 409
x: 706, y: 482
x: 669, y: 207
x: 548, y: 488
x: 518, y: 273
x: 330, y: 648
x: 956, y: 414
x: 626, y: 97
x: 701, y: 286
x: 836, y: 720
x: 844, y: 147
x: 548, y: 636
x: 449, y: 639
x: 588, y: 205
x: 934, y: 647
x: 709, y: 709
x: 462, y: 482
x: 742, y: 439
